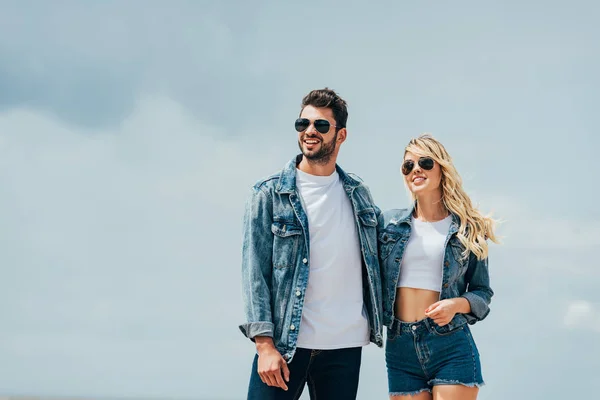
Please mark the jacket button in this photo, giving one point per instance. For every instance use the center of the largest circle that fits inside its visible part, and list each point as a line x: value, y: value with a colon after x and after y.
x: 445, y: 285
x: 292, y: 327
x: 304, y: 260
x: 447, y: 263
x: 298, y: 293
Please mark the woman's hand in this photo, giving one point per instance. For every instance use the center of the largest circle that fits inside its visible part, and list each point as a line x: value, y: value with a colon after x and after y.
x: 443, y: 311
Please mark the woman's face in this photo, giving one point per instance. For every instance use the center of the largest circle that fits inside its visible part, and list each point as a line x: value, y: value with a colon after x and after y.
x: 421, y: 177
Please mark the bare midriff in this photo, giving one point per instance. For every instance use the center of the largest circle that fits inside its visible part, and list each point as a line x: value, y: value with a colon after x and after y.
x: 411, y: 303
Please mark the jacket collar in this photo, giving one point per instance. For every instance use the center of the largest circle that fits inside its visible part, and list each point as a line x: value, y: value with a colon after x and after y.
x: 287, y: 178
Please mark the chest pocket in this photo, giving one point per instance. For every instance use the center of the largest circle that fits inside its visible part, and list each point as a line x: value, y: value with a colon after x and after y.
x: 286, y: 240
x: 461, y: 261
x: 368, y: 224
x: 386, y: 242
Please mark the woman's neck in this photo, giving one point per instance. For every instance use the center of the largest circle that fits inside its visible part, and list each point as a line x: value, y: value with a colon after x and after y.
x: 430, y: 209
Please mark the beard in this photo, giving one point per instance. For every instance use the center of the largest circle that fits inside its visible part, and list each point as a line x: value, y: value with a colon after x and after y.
x: 321, y: 156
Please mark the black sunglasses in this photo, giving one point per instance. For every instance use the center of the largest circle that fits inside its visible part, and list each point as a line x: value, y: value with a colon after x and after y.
x: 424, y: 162
x: 321, y: 125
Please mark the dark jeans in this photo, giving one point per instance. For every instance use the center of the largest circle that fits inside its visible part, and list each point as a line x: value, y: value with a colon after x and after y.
x: 330, y: 374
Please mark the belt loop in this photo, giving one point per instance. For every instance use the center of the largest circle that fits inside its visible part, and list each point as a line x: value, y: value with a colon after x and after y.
x: 428, y: 325
x: 397, y: 327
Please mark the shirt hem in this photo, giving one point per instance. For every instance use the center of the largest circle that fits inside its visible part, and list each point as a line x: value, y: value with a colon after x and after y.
x: 334, y: 346
x: 418, y: 287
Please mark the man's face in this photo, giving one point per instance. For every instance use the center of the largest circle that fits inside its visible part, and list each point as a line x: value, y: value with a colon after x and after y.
x: 315, y: 146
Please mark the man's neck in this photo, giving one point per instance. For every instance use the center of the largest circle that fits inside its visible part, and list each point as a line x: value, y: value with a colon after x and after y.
x: 317, y: 168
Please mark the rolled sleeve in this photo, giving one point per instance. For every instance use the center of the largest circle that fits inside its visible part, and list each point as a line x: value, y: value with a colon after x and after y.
x: 479, y: 293
x: 479, y: 309
x: 253, y: 329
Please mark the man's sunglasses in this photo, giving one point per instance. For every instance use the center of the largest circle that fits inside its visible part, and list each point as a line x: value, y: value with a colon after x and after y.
x: 424, y: 162
x: 321, y: 125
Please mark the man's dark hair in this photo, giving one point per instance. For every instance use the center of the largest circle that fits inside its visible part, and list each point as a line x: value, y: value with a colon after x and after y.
x: 327, y: 98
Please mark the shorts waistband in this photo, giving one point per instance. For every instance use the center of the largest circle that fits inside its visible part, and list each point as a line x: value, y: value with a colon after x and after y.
x: 399, y: 327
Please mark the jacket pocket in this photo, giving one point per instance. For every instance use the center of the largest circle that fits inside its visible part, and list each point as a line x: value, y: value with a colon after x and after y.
x: 445, y: 330
x: 462, y: 262
x: 386, y: 242
x: 368, y: 222
x: 286, y: 241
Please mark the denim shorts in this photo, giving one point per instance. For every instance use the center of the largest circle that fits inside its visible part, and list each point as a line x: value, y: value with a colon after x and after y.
x: 419, y: 357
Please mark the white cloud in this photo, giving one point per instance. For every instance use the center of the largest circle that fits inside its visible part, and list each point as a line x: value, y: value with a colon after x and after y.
x: 581, y: 314
x: 527, y: 225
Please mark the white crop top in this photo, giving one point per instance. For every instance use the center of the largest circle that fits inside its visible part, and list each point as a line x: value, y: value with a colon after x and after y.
x: 421, y: 266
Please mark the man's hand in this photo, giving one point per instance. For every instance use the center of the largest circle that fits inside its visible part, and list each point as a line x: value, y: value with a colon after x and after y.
x: 271, y: 364
x: 443, y: 311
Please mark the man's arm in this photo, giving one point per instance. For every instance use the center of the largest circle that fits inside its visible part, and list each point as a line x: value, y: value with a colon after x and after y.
x: 257, y: 248
x: 257, y: 264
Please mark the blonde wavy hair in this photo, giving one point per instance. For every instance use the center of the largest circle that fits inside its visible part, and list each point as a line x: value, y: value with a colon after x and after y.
x: 475, y: 228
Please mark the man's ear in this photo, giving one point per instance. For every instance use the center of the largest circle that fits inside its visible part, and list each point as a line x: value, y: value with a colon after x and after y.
x: 341, y: 135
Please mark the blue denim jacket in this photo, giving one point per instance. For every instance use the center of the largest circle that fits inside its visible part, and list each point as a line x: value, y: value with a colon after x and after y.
x: 463, y: 276
x: 275, y: 258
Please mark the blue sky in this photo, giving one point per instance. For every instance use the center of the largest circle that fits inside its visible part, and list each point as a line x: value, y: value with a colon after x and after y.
x: 130, y: 133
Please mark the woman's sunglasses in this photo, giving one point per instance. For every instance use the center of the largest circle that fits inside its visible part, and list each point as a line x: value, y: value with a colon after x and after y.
x: 424, y: 162
x: 321, y: 125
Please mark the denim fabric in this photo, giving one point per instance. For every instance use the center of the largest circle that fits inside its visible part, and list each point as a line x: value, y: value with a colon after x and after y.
x: 330, y: 374
x: 275, y: 258
x: 418, y: 357
x: 463, y: 276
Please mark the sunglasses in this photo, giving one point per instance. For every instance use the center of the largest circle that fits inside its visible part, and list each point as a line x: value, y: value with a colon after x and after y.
x: 321, y: 125
x: 426, y: 163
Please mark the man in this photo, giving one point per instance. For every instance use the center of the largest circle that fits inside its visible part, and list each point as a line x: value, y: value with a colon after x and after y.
x: 310, y: 273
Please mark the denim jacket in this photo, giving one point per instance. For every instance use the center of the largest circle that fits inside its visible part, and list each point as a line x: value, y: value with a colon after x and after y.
x: 465, y: 277
x: 275, y: 257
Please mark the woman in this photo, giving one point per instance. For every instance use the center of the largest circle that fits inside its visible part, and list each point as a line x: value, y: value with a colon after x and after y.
x: 435, y: 280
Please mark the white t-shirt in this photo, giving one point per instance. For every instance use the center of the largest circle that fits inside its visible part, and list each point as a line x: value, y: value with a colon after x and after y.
x: 424, y: 255
x: 333, y: 315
